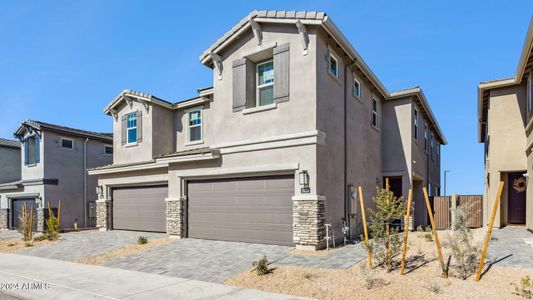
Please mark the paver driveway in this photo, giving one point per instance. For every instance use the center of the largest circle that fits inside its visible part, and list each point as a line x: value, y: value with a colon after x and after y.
x: 216, y: 261
x: 77, y: 245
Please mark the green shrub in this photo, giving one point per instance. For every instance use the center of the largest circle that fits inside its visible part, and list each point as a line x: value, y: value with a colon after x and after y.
x: 261, y: 266
x: 524, y: 288
x: 307, y: 275
x: 52, y: 227
x: 428, y: 237
x: 142, y: 240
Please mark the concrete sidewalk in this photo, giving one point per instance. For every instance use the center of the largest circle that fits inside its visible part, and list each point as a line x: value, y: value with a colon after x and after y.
x: 28, y: 277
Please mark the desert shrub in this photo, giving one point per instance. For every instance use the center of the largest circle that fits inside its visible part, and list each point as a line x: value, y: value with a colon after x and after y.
x: 142, y: 240
x: 386, y: 242
x: 524, y: 288
x: 307, y: 275
x: 428, y: 236
x: 40, y: 238
x: 369, y: 277
x: 434, y: 288
x: 52, y: 226
x: 261, y: 266
x: 465, y: 253
x: 26, y: 223
x: 11, y: 244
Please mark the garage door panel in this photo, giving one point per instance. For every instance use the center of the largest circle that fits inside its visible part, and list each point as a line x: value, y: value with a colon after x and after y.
x: 256, y: 210
x: 140, y: 208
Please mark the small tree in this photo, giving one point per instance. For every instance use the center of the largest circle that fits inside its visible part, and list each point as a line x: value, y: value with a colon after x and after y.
x: 386, y: 242
x: 26, y: 223
x: 52, y: 225
x: 465, y: 254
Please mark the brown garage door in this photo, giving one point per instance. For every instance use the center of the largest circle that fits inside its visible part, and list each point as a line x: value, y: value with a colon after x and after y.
x: 254, y: 210
x: 140, y: 208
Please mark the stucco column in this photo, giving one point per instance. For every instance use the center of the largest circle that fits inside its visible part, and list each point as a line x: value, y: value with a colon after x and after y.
x: 174, y: 214
x: 103, y: 214
x: 4, y: 218
x: 308, y: 215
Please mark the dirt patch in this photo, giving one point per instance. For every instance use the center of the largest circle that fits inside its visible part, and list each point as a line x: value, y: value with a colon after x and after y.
x: 124, y: 251
x: 14, y: 245
x: 422, y: 281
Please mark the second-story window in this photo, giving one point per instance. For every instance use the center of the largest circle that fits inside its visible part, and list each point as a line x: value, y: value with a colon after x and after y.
x: 131, y: 125
x: 432, y: 149
x: 415, y: 124
x: 426, y: 137
x: 356, y: 88
x: 375, y: 113
x: 108, y: 149
x: 438, y: 153
x: 195, y: 125
x: 67, y: 143
x: 265, y: 83
x: 32, y: 152
x: 333, y: 65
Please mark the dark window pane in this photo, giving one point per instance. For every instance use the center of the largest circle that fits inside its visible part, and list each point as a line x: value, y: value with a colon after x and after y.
x: 266, y: 95
x: 67, y: 144
x: 195, y: 133
x: 132, y: 135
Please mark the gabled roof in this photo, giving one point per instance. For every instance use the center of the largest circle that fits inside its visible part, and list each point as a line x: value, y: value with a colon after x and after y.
x: 525, y: 64
x: 323, y: 20
x: 38, y: 125
x: 419, y: 94
x: 9, y: 143
x: 204, y: 95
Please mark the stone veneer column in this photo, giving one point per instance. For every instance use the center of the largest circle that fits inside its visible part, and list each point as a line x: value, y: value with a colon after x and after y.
x: 103, y: 214
x: 40, y: 219
x: 308, y: 215
x: 4, y: 218
x: 175, y: 212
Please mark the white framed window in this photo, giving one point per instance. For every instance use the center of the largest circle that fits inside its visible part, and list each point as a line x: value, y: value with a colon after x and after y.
x: 67, y: 143
x: 333, y: 65
x: 194, y: 122
x: 32, y: 150
x: 375, y: 113
x: 415, y: 124
x: 426, y: 137
x: 356, y: 88
x: 265, y: 83
x: 108, y: 149
x: 131, y: 127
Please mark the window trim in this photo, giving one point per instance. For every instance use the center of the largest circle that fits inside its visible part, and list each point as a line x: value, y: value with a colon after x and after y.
x: 108, y: 146
x: 259, y: 87
x: 353, y: 88
x: 432, y: 146
x: 201, y: 140
x: 426, y: 137
x: 376, y: 112
x: 128, y: 143
x: 332, y: 56
x: 415, y: 124
x: 37, y: 154
x: 66, y: 139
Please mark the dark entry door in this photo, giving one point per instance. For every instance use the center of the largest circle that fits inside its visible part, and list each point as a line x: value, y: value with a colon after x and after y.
x: 16, y: 212
x: 517, y: 198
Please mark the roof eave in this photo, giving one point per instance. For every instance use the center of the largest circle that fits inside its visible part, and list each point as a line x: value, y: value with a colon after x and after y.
x: 526, y: 52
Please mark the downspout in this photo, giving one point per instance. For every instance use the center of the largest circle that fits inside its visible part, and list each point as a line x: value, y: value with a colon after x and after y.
x: 346, y: 212
x: 85, y: 182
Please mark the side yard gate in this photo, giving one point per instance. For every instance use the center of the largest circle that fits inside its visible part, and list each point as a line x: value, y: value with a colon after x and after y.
x: 443, y: 207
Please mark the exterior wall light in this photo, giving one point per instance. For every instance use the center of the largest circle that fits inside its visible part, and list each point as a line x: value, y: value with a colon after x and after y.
x: 304, y: 181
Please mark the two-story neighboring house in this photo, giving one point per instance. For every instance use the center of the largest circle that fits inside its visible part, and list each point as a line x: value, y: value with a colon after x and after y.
x: 54, y: 160
x: 9, y: 160
x: 505, y: 110
x: 294, y: 122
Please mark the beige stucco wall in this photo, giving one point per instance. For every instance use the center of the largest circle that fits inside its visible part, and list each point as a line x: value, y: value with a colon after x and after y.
x: 507, y: 143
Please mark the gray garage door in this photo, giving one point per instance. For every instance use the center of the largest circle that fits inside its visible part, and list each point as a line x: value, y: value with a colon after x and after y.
x: 254, y: 210
x: 140, y: 208
x: 16, y: 212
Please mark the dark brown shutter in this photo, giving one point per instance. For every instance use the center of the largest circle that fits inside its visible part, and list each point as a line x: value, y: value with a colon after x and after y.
x: 239, y: 84
x: 281, y: 73
x: 123, y: 130
x: 139, y: 126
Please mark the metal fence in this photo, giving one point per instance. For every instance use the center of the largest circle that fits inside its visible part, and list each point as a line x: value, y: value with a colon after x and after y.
x: 443, y: 207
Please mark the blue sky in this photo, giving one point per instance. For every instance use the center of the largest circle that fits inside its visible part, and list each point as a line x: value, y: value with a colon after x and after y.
x: 63, y: 61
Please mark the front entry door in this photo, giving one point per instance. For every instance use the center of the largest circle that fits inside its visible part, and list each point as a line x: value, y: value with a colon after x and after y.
x: 517, y: 198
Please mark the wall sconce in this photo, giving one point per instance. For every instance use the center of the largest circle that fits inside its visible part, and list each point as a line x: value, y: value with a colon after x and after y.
x: 99, y: 191
x: 304, y: 182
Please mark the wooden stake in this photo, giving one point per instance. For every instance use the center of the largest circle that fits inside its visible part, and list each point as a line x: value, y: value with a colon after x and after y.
x: 364, y: 226
x: 435, y: 235
x: 406, y: 230
x: 59, y: 214
x: 489, y: 232
x: 31, y: 223
x: 387, y: 186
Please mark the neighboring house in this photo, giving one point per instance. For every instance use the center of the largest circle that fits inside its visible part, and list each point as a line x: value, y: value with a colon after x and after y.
x: 505, y: 110
x: 294, y: 122
x: 54, y: 160
x: 9, y: 160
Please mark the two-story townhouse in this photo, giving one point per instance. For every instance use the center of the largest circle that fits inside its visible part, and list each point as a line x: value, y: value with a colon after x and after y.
x: 272, y: 152
x: 9, y: 160
x: 505, y: 123
x: 54, y: 161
